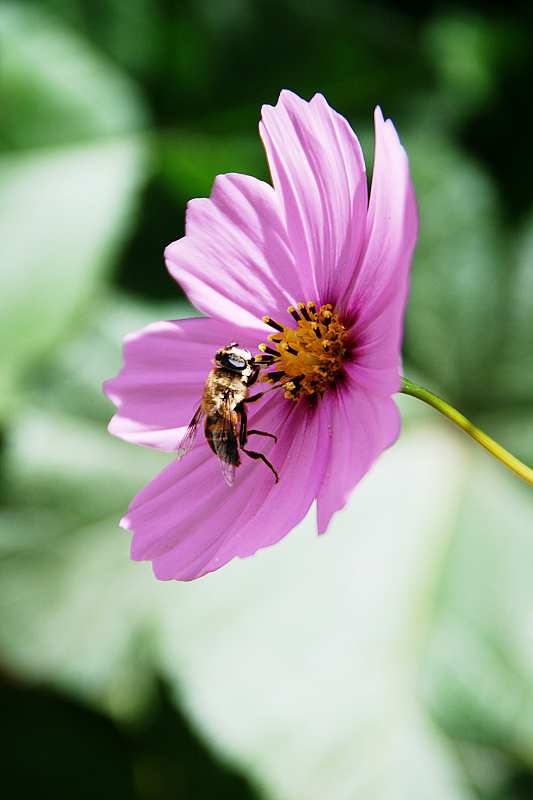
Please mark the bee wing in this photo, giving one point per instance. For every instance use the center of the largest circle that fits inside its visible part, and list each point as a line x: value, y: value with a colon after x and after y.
x: 228, y: 472
x: 188, y: 440
x: 225, y: 443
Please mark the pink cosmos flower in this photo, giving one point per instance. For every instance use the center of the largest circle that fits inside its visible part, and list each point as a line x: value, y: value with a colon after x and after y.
x: 314, y: 244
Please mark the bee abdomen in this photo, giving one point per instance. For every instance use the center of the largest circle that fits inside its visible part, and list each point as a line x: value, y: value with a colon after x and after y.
x: 221, y: 441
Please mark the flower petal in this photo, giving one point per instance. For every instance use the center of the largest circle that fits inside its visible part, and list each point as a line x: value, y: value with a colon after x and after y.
x: 318, y: 169
x: 362, y: 425
x: 161, y: 383
x: 188, y: 522
x: 381, y: 283
x: 235, y: 261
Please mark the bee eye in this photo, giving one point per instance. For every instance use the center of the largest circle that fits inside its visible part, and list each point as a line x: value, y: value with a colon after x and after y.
x: 236, y: 362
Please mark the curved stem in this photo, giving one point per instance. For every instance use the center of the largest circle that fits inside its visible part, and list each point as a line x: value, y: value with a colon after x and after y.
x: 499, y: 452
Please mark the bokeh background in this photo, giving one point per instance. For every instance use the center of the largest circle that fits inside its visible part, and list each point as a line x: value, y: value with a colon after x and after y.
x: 391, y: 659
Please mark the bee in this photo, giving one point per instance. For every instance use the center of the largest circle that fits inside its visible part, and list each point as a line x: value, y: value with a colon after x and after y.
x: 223, y: 410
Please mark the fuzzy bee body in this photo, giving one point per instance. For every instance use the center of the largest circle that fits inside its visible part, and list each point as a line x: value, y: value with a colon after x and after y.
x: 223, y: 394
x: 223, y: 409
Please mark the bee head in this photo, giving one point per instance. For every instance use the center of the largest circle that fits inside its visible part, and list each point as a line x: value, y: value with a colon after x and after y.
x: 233, y: 357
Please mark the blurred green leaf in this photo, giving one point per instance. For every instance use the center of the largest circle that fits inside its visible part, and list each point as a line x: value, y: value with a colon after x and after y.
x: 58, y: 241
x: 189, y: 163
x: 55, y: 89
x: 71, y: 382
x: 455, y: 316
x: 65, y: 463
x: 58, y: 734
x: 516, y: 366
x: 74, y: 482
x: 480, y: 674
x: 63, y: 210
x: 466, y: 51
x: 132, y: 33
x: 67, y: 483
x: 107, y: 656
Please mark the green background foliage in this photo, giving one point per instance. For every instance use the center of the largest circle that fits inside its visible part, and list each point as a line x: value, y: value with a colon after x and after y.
x: 394, y: 657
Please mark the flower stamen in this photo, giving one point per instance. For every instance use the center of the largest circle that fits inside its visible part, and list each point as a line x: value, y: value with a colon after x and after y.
x: 294, y: 314
x: 288, y: 349
x: 274, y: 377
x: 265, y: 359
x: 265, y: 349
x: 273, y: 324
x: 309, y: 357
x: 304, y: 312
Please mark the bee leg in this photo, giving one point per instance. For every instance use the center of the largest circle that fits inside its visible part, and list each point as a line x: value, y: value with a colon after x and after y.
x: 244, y: 433
x: 253, y: 398
x: 243, y: 430
x: 243, y: 438
x: 263, y: 433
x: 263, y: 458
x: 254, y: 376
x: 278, y: 383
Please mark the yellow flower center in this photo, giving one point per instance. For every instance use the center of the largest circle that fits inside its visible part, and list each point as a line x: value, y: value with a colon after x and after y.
x: 307, y: 358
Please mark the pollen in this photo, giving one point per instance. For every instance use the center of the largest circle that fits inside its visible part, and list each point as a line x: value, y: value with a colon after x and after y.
x: 307, y: 357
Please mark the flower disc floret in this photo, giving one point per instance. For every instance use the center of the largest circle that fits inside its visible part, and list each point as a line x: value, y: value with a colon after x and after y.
x: 309, y: 357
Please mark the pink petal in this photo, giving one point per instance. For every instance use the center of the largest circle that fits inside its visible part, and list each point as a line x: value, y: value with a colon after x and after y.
x: 361, y: 426
x: 161, y: 383
x: 318, y: 169
x: 235, y: 262
x: 188, y: 522
x: 381, y: 283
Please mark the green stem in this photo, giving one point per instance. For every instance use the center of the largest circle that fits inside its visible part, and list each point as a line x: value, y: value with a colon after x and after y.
x: 499, y: 452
